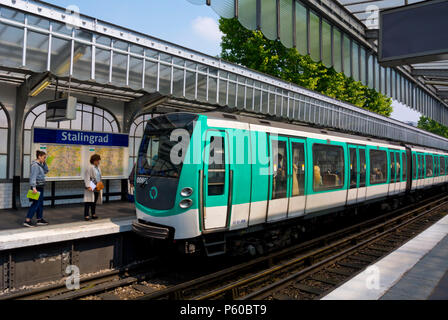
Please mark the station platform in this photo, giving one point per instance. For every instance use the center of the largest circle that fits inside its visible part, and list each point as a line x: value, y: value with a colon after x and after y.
x: 66, y: 223
x: 418, y: 270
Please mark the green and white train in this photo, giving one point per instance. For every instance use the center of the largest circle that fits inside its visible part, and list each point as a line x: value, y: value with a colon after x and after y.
x: 205, y: 179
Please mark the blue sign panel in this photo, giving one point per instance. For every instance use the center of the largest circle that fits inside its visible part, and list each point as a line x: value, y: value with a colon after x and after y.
x: 86, y: 138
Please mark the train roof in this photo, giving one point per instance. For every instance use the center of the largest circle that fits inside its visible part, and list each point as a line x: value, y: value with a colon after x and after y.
x: 252, y: 119
x: 292, y: 126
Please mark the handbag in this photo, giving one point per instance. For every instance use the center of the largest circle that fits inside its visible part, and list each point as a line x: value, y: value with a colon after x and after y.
x: 33, y: 196
x: 99, y: 186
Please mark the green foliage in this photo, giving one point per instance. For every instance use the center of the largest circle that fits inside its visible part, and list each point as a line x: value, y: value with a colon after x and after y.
x: 253, y: 50
x: 430, y: 125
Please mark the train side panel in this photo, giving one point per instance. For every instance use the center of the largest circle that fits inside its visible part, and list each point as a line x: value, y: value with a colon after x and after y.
x: 260, y: 177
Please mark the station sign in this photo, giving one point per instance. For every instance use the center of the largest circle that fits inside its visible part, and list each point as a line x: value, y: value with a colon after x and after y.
x: 69, y: 152
x: 86, y: 138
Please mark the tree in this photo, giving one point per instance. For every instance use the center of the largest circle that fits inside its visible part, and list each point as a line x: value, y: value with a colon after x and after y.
x: 430, y: 125
x: 251, y: 49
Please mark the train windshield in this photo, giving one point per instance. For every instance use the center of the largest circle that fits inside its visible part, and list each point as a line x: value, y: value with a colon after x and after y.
x: 156, y: 158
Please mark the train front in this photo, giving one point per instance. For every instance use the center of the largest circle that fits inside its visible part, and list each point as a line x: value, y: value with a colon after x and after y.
x: 166, y: 178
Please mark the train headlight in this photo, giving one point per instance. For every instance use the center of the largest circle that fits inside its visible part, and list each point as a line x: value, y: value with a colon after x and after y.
x: 186, y: 192
x: 185, y: 204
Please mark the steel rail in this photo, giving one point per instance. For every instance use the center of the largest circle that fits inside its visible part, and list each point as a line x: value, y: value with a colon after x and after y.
x: 315, y: 254
x: 60, y: 288
x: 177, y: 291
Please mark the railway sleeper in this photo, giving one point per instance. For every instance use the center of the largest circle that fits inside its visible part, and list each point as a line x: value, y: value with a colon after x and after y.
x: 308, y: 289
x: 351, y: 265
x: 340, y: 272
x: 329, y: 281
x: 368, y: 260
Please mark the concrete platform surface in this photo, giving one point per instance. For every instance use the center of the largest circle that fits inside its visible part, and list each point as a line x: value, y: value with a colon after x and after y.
x: 66, y: 223
x: 413, y: 271
x: 13, y: 219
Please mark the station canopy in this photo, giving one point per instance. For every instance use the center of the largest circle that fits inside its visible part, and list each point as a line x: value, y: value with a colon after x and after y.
x: 343, y: 34
x: 88, y: 56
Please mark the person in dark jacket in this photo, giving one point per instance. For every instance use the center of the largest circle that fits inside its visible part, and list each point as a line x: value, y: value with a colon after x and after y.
x: 38, y: 171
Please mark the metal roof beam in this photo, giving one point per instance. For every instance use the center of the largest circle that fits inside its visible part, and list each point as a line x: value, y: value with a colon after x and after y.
x: 437, y: 83
x: 432, y: 73
x: 442, y: 94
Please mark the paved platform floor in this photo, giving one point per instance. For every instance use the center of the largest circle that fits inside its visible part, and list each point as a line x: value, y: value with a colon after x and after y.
x: 428, y: 279
x: 13, y: 219
x: 418, y: 270
x: 66, y: 223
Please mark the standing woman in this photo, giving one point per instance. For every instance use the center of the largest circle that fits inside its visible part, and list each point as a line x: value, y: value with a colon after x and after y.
x: 38, y: 171
x: 92, y: 174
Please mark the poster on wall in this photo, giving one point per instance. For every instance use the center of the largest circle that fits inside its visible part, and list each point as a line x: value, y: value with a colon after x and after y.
x: 69, y: 152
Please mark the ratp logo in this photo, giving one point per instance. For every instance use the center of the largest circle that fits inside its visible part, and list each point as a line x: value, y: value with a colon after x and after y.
x: 153, y: 193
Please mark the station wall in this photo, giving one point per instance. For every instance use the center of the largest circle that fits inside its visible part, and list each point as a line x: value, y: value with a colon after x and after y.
x: 64, y: 188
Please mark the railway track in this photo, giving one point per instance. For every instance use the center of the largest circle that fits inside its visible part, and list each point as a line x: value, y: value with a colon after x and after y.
x: 321, y: 277
x: 266, y: 277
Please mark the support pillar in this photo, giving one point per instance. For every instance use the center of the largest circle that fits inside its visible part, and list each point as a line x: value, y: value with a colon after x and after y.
x: 22, y: 95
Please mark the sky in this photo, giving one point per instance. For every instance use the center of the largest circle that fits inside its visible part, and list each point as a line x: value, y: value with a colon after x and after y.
x: 403, y: 113
x: 177, y: 21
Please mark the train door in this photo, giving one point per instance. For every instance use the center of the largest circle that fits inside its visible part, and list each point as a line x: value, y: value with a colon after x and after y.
x: 429, y: 169
x: 404, y: 172
x: 358, y: 170
x: 414, y: 171
x: 422, y: 171
x: 297, y: 179
x: 362, y: 189
x: 398, y: 169
x: 352, y: 193
x: 445, y: 163
x: 216, y: 186
x: 280, y: 171
x: 391, y: 173
x: 436, y: 169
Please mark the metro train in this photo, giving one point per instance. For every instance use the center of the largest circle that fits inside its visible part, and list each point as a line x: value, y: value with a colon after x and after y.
x: 204, y: 180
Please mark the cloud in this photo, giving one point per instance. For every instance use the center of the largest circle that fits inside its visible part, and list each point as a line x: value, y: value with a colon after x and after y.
x: 207, y: 28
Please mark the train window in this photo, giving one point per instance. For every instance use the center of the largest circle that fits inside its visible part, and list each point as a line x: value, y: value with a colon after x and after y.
x: 298, y: 169
x: 216, y: 167
x: 404, y: 166
x: 328, y: 164
x: 429, y: 166
x: 378, y: 166
x: 414, y: 167
x: 436, y: 166
x: 353, y: 169
x: 279, y: 180
x: 421, y: 166
x: 392, y: 167
x: 362, y: 168
x: 441, y: 166
x: 445, y: 161
x: 397, y: 167
x: 445, y: 165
